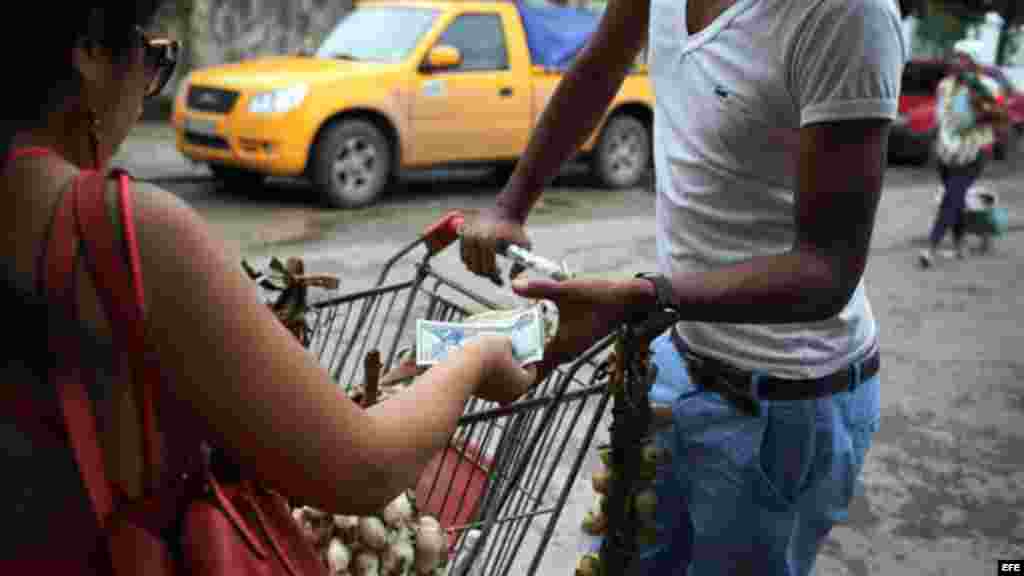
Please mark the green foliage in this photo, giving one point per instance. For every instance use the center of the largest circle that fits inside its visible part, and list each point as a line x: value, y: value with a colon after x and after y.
x: 1010, y: 42
x: 939, y: 28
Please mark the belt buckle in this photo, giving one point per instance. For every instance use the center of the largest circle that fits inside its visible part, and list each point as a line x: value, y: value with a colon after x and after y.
x: 743, y: 399
x: 723, y: 381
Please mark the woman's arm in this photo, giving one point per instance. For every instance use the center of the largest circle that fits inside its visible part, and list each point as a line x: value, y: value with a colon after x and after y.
x: 262, y: 394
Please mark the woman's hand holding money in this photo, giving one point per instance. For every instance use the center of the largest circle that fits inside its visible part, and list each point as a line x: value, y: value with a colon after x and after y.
x: 502, y: 380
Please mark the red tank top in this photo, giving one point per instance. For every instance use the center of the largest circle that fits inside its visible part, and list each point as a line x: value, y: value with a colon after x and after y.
x: 50, y: 513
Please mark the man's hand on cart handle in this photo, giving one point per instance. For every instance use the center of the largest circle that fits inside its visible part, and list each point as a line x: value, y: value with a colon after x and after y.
x: 486, y: 235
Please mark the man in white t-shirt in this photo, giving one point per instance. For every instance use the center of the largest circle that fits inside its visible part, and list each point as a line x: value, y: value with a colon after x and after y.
x: 770, y: 141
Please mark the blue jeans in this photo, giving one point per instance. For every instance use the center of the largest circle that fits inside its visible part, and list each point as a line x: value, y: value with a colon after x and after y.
x: 956, y: 180
x: 752, y: 495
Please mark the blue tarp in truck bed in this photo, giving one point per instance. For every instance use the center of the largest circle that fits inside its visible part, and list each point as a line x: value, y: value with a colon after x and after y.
x: 555, y: 34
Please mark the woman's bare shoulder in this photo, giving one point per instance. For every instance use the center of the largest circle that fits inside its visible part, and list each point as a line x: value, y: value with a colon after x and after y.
x: 163, y: 217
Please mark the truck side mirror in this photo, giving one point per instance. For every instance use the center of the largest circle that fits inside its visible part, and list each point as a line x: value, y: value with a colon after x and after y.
x: 443, y: 57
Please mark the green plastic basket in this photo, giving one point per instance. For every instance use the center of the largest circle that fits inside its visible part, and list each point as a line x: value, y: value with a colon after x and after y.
x: 992, y: 221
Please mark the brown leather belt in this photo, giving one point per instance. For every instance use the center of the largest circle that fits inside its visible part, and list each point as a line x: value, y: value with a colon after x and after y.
x: 744, y: 390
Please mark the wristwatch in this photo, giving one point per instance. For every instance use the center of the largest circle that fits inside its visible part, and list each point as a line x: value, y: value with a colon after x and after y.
x: 662, y: 290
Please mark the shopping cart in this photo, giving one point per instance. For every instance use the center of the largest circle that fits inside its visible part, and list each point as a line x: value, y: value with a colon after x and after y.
x: 499, y: 487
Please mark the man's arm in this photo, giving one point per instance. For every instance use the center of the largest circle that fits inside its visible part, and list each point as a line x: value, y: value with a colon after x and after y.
x: 841, y: 175
x: 841, y: 168
x: 578, y: 104
x: 843, y: 67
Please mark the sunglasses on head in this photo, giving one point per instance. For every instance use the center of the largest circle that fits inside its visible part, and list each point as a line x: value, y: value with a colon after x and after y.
x: 160, y: 56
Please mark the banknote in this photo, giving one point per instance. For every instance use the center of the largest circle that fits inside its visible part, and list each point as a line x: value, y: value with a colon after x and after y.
x: 435, y: 339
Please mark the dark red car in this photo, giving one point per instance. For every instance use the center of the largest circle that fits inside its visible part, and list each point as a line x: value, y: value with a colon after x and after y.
x: 913, y: 133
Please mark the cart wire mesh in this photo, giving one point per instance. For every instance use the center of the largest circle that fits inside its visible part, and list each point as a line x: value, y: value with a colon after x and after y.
x: 507, y: 474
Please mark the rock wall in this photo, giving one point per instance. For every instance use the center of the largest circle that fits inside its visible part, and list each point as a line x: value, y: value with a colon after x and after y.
x: 230, y: 30
x: 222, y: 31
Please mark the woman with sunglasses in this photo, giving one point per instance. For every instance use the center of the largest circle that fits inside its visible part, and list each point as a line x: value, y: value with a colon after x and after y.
x: 229, y: 372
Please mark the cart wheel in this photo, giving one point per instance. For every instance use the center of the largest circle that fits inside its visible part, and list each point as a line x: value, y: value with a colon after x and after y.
x: 352, y: 164
x: 623, y: 154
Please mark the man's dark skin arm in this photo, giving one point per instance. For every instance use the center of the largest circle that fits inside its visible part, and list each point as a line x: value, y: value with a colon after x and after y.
x: 573, y: 113
x: 841, y: 170
x: 578, y: 104
x: 840, y: 177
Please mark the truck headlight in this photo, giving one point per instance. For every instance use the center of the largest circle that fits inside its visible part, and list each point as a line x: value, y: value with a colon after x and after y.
x: 278, y: 101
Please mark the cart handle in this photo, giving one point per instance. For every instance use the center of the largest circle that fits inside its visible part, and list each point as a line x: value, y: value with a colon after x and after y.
x: 444, y: 232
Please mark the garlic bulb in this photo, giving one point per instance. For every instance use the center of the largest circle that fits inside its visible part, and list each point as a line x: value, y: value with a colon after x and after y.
x: 601, y: 480
x: 398, y: 558
x: 338, y: 557
x: 645, y: 503
x: 367, y: 564
x: 655, y: 454
x: 373, y: 533
x: 430, y: 545
x: 396, y: 542
x: 595, y: 522
x: 312, y: 513
x: 589, y: 565
x: 398, y: 512
x: 347, y: 527
x: 651, y: 457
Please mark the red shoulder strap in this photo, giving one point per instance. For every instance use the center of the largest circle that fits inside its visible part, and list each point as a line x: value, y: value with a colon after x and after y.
x: 59, y: 282
x: 118, y: 282
x: 117, y: 275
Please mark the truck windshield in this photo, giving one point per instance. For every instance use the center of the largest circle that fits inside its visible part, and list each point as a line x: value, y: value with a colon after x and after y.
x: 378, y: 33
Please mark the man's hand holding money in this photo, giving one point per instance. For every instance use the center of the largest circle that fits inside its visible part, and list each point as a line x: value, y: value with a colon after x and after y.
x: 588, y: 310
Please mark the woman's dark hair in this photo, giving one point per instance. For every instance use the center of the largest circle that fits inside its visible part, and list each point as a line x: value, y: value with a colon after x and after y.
x: 47, y: 76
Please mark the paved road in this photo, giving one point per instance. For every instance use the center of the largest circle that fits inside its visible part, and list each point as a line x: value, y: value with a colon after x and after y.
x: 943, y: 481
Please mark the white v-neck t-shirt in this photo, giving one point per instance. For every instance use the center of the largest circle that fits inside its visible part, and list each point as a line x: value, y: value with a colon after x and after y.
x: 729, y: 104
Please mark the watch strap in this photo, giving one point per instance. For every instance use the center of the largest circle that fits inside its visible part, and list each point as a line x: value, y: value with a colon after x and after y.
x: 662, y: 290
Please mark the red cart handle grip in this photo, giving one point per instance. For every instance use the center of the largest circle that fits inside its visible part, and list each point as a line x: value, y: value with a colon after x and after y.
x: 444, y: 232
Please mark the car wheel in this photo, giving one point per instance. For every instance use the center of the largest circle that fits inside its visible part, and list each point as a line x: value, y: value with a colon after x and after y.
x: 237, y: 177
x: 352, y: 164
x: 623, y: 155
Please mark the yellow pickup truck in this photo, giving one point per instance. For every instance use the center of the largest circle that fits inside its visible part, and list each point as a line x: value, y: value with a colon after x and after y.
x: 401, y: 85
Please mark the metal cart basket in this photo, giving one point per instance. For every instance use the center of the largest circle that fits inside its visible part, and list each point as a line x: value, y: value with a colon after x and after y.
x: 507, y: 473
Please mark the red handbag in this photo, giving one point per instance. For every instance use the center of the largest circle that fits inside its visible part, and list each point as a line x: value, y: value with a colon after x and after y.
x: 189, y: 522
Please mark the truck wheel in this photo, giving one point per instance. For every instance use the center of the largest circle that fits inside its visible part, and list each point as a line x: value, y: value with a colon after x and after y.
x: 237, y: 177
x: 623, y: 154
x: 352, y: 164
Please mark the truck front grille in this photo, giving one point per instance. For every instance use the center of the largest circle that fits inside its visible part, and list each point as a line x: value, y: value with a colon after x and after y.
x: 212, y: 100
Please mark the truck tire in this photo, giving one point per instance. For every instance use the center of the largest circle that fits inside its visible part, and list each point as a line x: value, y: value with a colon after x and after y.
x: 622, y: 156
x: 237, y: 178
x: 352, y: 164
